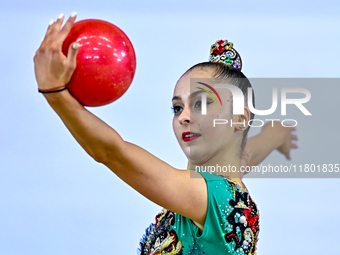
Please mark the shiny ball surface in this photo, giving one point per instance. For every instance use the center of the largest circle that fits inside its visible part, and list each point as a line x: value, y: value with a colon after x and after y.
x: 106, y: 62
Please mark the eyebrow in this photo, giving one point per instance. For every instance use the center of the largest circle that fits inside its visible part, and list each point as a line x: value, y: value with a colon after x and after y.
x: 191, y: 95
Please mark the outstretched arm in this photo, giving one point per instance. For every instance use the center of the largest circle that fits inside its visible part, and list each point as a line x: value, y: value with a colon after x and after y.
x: 171, y: 188
x: 271, y: 138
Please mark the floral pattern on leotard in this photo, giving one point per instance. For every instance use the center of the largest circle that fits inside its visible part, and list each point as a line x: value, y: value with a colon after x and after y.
x: 240, y: 228
x: 244, y: 218
x: 160, y: 238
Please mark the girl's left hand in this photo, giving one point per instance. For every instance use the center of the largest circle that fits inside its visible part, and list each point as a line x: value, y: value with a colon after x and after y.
x: 288, y: 138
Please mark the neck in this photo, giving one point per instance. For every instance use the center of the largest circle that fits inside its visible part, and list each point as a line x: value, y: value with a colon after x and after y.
x: 229, y: 167
x: 235, y: 176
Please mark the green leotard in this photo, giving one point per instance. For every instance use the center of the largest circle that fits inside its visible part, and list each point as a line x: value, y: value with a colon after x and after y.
x: 231, y: 225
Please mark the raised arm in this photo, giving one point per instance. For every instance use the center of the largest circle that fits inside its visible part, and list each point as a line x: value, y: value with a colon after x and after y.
x: 168, y: 187
x: 271, y: 138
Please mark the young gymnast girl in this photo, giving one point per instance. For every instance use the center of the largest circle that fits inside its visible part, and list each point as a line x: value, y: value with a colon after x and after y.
x: 204, y: 212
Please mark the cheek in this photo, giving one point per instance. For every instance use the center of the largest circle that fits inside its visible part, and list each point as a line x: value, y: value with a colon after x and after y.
x: 206, y: 124
x: 176, y: 127
x: 221, y: 130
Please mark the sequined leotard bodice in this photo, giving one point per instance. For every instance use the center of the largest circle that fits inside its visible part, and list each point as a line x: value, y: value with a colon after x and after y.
x: 231, y: 225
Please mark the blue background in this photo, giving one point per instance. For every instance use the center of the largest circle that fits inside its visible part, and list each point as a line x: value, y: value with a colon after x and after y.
x: 55, y: 199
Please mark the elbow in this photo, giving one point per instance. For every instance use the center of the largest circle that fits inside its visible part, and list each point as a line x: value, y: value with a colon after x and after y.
x: 98, y: 159
x: 107, y: 157
x: 101, y: 157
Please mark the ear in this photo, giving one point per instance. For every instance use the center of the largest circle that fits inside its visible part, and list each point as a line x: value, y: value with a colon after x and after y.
x: 241, y: 121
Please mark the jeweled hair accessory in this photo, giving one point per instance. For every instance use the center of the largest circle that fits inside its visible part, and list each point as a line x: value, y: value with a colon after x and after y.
x: 222, y: 51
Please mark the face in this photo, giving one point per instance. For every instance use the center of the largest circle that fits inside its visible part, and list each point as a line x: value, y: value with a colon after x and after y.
x: 211, y: 143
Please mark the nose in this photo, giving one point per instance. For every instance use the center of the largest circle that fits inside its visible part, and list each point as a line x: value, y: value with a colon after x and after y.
x: 184, y: 117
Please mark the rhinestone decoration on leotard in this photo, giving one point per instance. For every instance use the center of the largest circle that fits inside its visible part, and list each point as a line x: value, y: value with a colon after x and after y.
x: 239, y: 226
x: 195, y: 250
x: 159, y: 238
x: 241, y: 220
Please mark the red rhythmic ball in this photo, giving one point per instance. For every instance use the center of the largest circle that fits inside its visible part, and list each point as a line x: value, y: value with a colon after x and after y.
x: 106, y: 62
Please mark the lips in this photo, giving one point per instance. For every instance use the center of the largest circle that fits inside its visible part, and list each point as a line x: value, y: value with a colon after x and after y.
x: 188, y: 136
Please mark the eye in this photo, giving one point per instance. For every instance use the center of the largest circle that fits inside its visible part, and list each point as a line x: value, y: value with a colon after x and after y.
x: 198, y: 103
x: 176, y: 109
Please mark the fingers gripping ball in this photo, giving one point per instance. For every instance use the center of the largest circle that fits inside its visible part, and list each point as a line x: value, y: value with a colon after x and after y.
x: 106, y: 62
